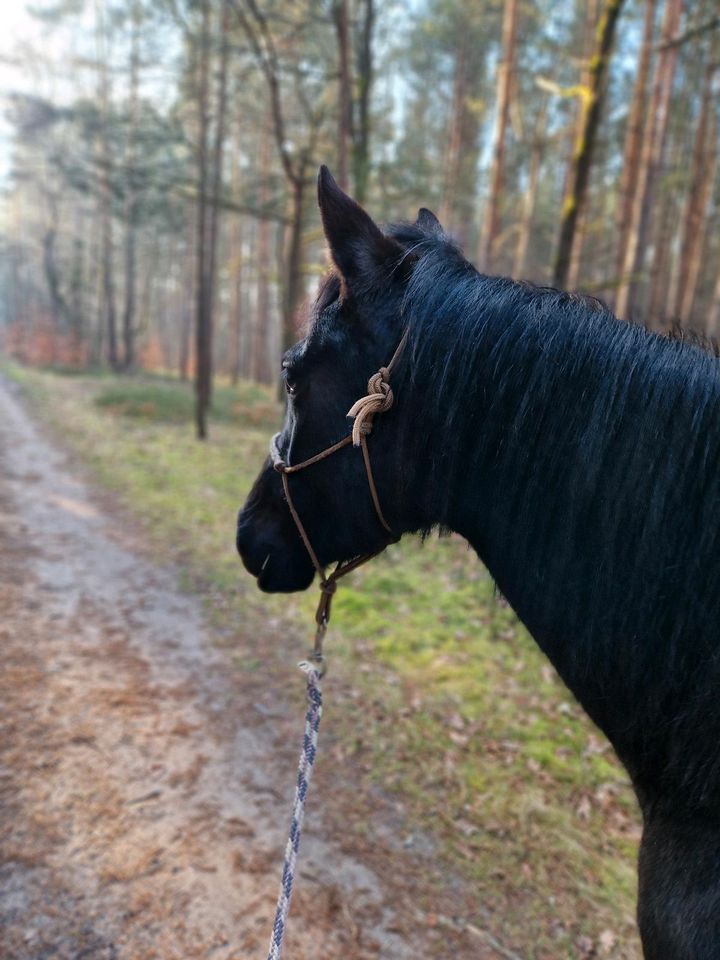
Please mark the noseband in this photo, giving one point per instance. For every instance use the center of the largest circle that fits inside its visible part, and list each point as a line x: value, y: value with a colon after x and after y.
x: 379, y: 399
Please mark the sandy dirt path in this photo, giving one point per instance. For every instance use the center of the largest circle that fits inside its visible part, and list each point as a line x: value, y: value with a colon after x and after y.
x: 142, y: 814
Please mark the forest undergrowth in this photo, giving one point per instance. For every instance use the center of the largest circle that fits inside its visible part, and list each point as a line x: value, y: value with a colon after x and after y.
x: 454, y: 712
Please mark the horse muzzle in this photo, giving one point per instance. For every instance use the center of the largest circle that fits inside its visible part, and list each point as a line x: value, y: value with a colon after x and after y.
x: 277, y: 566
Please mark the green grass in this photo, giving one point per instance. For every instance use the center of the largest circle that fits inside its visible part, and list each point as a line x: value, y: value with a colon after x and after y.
x: 159, y: 400
x: 468, y: 726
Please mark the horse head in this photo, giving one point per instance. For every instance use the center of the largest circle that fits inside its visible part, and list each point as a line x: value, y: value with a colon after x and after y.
x: 355, y: 326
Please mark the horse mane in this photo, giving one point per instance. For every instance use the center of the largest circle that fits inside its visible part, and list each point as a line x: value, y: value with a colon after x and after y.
x: 602, y: 437
x: 708, y: 343
x: 453, y: 312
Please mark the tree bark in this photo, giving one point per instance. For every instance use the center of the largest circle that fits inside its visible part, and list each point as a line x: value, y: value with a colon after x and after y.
x: 492, y: 222
x: 593, y: 97
x: 202, y: 338
x: 713, y: 321
x: 209, y: 176
x: 235, y: 269
x: 633, y: 135
x: 345, y: 111
x: 260, y: 362
x: 530, y: 197
x: 704, y: 162
x: 667, y: 276
x: 664, y: 272
x: 364, y: 78
x: 651, y: 155
x: 105, y: 192
x: 109, y: 292
x: 186, y: 312
x: 216, y: 186
x: 58, y: 306
x: 293, y: 286
x: 578, y: 244
x: 131, y: 202
x: 78, y: 282
x: 96, y: 326
x: 454, y: 140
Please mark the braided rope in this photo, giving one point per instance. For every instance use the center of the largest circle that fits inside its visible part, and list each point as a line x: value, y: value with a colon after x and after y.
x: 305, y: 768
x: 379, y: 399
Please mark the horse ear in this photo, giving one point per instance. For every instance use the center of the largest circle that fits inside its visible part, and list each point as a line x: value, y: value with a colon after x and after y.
x: 428, y: 222
x: 357, y: 245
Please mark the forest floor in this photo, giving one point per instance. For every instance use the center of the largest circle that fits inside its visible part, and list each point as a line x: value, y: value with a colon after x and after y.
x: 152, y: 712
x: 144, y: 793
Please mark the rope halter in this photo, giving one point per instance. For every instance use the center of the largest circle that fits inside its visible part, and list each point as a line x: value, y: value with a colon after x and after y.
x: 379, y: 399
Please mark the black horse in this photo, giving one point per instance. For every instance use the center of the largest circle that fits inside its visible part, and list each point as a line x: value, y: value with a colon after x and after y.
x: 580, y: 457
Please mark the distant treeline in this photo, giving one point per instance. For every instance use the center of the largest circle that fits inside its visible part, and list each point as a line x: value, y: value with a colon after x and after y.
x: 161, y: 208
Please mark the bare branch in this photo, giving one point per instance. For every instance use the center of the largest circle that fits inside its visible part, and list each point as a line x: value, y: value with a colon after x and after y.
x: 254, y: 25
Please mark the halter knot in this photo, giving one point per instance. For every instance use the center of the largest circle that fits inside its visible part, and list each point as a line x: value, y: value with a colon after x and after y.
x: 379, y: 399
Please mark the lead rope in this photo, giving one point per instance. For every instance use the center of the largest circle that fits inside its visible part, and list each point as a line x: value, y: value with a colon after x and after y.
x: 379, y: 399
x: 305, y: 769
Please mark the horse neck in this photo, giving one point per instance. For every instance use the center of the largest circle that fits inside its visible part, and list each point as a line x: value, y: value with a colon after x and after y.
x: 545, y: 451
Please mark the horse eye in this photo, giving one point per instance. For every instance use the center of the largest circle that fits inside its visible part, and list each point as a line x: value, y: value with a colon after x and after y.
x: 290, y: 385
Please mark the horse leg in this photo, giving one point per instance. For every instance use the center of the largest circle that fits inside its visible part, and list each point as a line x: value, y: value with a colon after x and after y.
x: 679, y: 891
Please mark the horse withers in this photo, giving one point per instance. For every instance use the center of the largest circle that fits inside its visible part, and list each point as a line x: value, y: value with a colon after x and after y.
x: 580, y: 457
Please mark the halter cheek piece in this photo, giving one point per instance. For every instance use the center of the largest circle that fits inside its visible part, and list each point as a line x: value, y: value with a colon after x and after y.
x: 379, y: 399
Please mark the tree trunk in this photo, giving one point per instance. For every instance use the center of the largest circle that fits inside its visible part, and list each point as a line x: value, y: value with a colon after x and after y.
x: 209, y: 176
x: 202, y: 337
x: 364, y: 78
x: 96, y: 325
x: 649, y: 163
x: 669, y: 262
x: 453, y: 153
x: 78, y: 349
x: 105, y: 193
x: 260, y: 365
x: 713, y: 321
x: 185, y: 312
x: 131, y: 203
x: 78, y: 282
x: 236, y: 308
x: 51, y: 276
x: 109, y: 293
x: 60, y: 309
x: 584, y: 148
x: 664, y: 273
x: 633, y: 136
x: 578, y: 244
x: 345, y: 113
x: 696, y: 248
x: 215, y: 212
x: 492, y: 222
x: 701, y: 180
x: 573, y: 276
x: 536, y: 157
x: 235, y: 270
x: 294, y: 282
